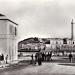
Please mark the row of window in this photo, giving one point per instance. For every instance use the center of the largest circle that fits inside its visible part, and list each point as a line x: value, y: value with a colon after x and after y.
x: 62, y: 42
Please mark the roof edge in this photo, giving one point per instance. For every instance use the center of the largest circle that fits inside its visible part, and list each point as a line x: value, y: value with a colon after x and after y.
x: 10, y: 21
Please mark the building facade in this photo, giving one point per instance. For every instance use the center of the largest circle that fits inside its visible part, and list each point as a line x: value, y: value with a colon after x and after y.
x: 8, y: 36
x: 62, y: 44
x: 31, y: 44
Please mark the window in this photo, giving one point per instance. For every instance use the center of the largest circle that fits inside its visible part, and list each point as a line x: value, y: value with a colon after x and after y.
x: 64, y: 41
x: 15, y: 31
x: 11, y: 29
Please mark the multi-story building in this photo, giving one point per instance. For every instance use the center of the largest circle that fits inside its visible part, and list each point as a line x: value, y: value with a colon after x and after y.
x: 62, y: 44
x: 47, y: 44
x: 8, y: 36
x: 31, y: 44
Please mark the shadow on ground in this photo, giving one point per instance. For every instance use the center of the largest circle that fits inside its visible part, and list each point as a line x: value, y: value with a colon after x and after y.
x: 18, y: 66
x: 60, y: 60
x: 68, y: 64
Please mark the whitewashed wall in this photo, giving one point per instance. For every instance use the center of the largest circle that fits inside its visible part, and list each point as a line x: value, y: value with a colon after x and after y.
x: 8, y: 45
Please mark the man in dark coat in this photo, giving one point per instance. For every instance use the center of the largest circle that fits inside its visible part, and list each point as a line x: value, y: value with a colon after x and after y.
x: 32, y: 59
x: 70, y: 57
x: 43, y: 56
x: 6, y: 58
x: 50, y: 55
x: 39, y: 58
x: 36, y: 56
x: 2, y: 57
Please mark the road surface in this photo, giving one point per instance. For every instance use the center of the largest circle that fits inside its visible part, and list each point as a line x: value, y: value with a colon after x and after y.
x: 47, y: 68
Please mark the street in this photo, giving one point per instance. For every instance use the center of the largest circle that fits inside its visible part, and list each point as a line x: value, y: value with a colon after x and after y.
x: 58, y: 66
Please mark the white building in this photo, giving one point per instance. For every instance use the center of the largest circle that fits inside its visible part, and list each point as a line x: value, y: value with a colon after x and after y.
x: 62, y: 44
x: 8, y: 36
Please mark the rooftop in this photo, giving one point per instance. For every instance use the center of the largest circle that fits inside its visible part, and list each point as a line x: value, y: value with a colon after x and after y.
x: 3, y: 17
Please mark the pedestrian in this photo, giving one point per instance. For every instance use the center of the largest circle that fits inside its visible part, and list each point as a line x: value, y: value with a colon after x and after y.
x: 6, y: 59
x: 33, y: 62
x: 36, y: 56
x: 32, y: 56
x: 2, y: 58
x: 50, y: 55
x: 39, y: 58
x: 43, y: 56
x: 70, y: 57
x: 32, y: 59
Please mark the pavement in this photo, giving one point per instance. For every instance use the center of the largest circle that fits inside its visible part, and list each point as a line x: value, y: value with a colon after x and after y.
x: 58, y: 66
x: 49, y: 69
x: 4, y: 65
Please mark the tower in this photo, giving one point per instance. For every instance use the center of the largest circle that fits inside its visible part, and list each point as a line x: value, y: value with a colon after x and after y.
x: 72, y: 36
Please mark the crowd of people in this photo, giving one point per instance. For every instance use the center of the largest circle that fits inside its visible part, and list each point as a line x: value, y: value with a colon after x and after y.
x: 41, y: 56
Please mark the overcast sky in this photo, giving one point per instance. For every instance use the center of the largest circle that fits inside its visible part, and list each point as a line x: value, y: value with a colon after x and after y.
x: 40, y: 18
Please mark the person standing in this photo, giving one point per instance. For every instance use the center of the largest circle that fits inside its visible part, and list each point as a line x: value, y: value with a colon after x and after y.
x: 50, y: 55
x: 2, y: 57
x: 6, y: 58
x: 32, y: 59
x: 36, y: 57
x: 70, y: 57
x: 39, y: 58
x: 43, y: 56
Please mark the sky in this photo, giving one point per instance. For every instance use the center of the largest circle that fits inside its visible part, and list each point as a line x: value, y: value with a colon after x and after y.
x: 40, y: 18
